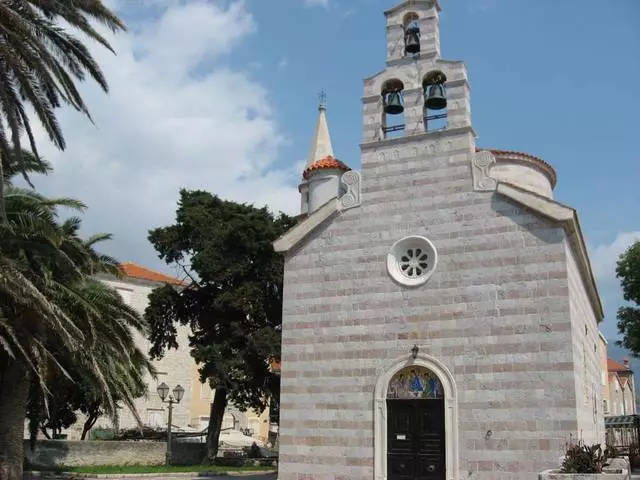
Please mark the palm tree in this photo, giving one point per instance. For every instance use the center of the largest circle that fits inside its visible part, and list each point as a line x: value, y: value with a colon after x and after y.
x: 40, y: 64
x: 53, y: 313
x: 121, y: 365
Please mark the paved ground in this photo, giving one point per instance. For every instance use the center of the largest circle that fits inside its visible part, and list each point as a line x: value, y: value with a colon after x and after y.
x: 196, y: 477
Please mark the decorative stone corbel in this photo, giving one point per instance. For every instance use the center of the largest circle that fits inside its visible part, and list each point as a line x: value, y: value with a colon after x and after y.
x: 352, y: 180
x: 480, y: 167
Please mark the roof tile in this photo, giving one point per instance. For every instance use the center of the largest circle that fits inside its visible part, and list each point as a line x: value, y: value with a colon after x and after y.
x: 614, y: 366
x: 133, y: 270
x: 328, y: 162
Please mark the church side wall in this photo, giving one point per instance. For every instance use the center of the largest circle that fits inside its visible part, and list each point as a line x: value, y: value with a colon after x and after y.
x: 495, y: 313
x: 585, y: 349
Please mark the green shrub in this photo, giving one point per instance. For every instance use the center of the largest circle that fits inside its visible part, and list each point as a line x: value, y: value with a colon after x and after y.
x: 581, y: 458
x: 611, y: 452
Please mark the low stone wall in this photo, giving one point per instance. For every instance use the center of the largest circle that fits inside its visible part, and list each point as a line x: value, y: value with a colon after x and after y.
x: 51, y: 453
x: 556, y: 475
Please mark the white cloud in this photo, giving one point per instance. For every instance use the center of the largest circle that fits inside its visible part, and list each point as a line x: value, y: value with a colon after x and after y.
x: 605, y: 257
x: 317, y: 3
x: 603, y: 261
x: 283, y: 63
x: 176, y: 116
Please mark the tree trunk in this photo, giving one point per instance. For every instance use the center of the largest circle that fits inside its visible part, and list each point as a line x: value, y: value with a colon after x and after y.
x: 14, y: 395
x: 216, y: 415
x: 88, y: 425
x: 3, y: 209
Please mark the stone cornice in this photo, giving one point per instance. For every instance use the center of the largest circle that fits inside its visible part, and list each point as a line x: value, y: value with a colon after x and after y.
x: 291, y: 238
x: 417, y: 137
x: 351, y: 198
x: 431, y: 54
x: 568, y: 217
x: 400, y: 6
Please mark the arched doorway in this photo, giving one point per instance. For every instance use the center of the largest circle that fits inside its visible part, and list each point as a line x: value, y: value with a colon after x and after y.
x: 415, y: 426
x: 416, y: 422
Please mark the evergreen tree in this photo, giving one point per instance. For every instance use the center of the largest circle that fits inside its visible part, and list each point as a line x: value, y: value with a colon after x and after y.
x: 233, y: 303
x: 628, y: 271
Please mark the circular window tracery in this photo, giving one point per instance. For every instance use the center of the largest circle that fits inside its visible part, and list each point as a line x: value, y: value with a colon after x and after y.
x: 412, y: 260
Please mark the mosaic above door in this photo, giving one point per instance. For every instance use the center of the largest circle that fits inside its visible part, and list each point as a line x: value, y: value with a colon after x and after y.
x: 415, y: 382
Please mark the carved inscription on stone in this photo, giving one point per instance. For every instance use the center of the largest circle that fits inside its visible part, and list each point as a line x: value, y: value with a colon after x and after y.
x: 352, y: 197
x: 480, y: 168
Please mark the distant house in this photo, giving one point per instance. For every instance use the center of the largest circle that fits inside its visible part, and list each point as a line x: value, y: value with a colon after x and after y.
x: 621, y: 384
x: 177, y: 367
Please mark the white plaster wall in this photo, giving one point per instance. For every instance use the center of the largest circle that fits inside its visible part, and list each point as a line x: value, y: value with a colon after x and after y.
x: 523, y: 176
x: 323, y: 186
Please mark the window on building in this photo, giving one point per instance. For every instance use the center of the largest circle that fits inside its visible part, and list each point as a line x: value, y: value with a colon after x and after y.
x: 155, y: 417
x: 605, y: 406
x: 205, y: 391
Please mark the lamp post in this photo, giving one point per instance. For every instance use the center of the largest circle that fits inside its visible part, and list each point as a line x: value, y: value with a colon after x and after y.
x: 166, y: 397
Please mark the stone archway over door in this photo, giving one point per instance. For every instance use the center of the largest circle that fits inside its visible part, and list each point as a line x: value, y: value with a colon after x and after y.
x: 419, y: 396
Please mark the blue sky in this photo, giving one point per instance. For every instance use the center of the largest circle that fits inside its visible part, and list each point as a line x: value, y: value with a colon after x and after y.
x: 222, y: 95
x: 555, y: 79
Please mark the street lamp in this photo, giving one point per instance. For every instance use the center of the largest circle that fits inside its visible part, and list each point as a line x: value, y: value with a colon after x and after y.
x: 163, y: 392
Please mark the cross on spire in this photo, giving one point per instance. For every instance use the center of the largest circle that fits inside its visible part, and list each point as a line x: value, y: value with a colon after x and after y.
x: 323, y: 100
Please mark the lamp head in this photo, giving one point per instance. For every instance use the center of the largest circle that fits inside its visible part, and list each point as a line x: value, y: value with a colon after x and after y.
x: 163, y: 391
x: 178, y: 392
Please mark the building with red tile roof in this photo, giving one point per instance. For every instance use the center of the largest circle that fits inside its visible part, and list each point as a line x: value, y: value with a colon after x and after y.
x: 621, y: 383
x: 138, y: 272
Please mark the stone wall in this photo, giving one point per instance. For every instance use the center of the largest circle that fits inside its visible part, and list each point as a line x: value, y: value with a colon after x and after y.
x: 50, y: 453
x: 495, y: 313
x: 588, y: 375
x: 176, y: 367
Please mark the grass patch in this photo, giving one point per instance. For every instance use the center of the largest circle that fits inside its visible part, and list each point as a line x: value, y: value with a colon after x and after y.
x: 110, y: 469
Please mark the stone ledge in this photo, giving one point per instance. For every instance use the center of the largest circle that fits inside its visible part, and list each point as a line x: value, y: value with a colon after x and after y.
x: 619, y: 474
x: 37, y: 475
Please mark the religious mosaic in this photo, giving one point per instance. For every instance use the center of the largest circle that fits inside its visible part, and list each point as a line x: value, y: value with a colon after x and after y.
x: 415, y: 382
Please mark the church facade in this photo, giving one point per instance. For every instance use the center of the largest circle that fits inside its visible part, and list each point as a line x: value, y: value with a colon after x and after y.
x: 440, y: 316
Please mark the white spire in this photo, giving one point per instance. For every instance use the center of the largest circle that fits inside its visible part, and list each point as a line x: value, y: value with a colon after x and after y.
x: 321, y: 145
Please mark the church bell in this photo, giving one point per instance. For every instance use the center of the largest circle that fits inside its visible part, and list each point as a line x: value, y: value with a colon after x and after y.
x: 435, y: 97
x: 393, y: 103
x: 412, y: 40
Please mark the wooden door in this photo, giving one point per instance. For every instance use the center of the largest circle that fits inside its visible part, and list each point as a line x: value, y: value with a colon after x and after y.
x: 415, y: 439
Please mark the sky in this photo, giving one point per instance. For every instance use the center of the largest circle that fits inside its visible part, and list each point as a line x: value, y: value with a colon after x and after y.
x: 222, y: 96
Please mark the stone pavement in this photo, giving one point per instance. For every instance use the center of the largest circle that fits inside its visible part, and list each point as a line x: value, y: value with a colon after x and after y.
x: 271, y: 476
x: 160, y: 476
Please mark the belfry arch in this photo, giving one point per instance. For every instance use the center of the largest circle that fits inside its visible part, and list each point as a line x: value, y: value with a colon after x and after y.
x: 421, y: 364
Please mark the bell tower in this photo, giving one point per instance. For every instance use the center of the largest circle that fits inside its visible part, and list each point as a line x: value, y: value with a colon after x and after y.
x: 413, y: 28
x: 418, y: 94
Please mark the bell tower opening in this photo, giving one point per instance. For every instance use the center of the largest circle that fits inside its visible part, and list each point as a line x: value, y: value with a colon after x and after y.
x: 435, y: 101
x: 393, y: 123
x: 411, y: 34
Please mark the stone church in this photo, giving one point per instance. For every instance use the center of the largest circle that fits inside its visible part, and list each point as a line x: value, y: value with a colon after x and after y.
x: 440, y: 312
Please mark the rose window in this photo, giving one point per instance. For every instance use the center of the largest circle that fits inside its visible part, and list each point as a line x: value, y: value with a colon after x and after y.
x: 412, y: 260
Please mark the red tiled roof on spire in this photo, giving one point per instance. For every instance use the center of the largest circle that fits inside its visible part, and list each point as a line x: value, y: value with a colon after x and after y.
x: 326, y: 163
x: 133, y: 270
